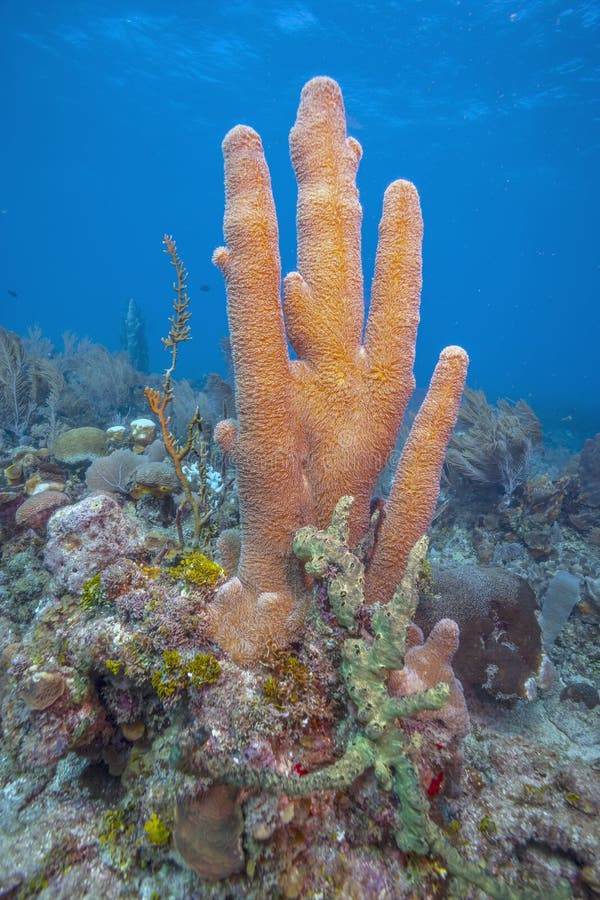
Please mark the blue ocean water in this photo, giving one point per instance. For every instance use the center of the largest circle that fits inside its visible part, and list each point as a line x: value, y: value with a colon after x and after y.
x: 112, y: 117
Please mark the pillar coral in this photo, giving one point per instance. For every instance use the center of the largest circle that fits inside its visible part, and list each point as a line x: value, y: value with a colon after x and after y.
x: 315, y: 427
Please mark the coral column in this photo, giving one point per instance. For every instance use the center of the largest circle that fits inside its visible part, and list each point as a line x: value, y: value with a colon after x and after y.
x: 350, y: 398
x: 322, y: 425
x: 254, y: 607
x: 416, y: 485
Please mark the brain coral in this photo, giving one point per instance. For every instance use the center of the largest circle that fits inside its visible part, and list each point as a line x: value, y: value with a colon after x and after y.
x: 500, y: 647
x: 37, y: 509
x: 80, y: 445
x: 154, y: 478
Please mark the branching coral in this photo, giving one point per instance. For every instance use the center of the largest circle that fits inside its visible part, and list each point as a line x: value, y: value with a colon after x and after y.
x: 160, y: 402
x: 322, y: 425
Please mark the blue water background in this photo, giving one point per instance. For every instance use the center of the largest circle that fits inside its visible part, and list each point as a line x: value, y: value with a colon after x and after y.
x: 112, y: 118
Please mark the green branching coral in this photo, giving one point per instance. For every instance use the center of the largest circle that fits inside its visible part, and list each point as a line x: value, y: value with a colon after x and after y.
x: 197, y: 569
x: 378, y: 742
x: 156, y: 831
x: 176, y: 674
x: 92, y: 593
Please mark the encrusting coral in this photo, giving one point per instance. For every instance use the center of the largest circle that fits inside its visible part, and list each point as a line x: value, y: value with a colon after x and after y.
x: 314, y: 428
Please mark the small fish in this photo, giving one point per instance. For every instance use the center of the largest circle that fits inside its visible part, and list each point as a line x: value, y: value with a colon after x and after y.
x: 568, y: 418
x: 13, y: 294
x: 204, y: 288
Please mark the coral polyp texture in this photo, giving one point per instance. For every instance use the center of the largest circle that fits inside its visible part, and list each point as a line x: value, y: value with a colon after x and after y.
x: 321, y: 425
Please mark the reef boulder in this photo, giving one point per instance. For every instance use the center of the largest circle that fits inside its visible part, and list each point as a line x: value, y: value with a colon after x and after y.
x: 79, y: 445
x: 86, y: 537
x: 500, y: 649
x: 37, y: 509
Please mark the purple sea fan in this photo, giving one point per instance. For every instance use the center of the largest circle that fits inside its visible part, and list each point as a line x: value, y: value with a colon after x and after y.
x: 111, y: 474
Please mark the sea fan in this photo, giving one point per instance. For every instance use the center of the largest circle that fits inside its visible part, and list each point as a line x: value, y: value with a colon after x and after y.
x: 112, y: 474
x: 493, y: 446
x: 17, y: 402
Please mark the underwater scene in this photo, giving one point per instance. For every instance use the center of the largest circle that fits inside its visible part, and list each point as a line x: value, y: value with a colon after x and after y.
x: 299, y: 450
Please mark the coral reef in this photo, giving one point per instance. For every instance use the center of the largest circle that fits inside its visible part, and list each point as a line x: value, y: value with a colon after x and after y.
x: 44, y: 392
x: 113, y: 698
x: 86, y: 537
x: 378, y: 740
x: 359, y: 766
